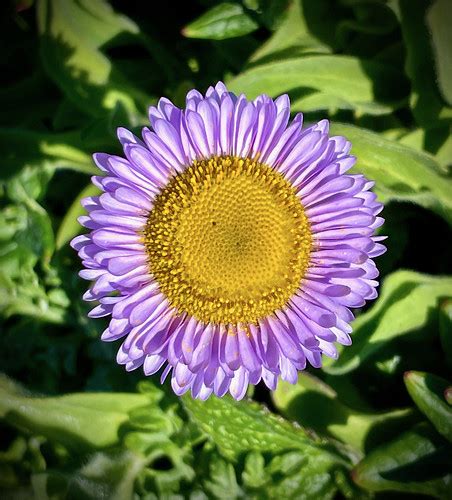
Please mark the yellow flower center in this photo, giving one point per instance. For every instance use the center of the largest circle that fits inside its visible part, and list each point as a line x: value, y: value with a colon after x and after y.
x: 228, y: 240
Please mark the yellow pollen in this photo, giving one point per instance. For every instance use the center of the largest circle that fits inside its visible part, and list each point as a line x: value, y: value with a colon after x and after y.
x: 228, y: 241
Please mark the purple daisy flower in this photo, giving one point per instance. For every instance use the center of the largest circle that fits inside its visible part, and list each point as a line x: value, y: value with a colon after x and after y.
x: 229, y: 244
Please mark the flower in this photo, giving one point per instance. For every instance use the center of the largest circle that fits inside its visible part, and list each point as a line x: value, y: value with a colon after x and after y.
x: 229, y: 244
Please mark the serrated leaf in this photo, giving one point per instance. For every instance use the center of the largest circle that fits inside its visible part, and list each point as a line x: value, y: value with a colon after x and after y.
x: 400, y: 172
x: 225, y: 20
x: 404, y: 305
x: 416, y: 462
x: 79, y: 421
x: 427, y: 391
x: 156, y: 446
x: 104, y: 475
x: 364, y: 86
x: 315, y: 405
x: 237, y: 428
x: 254, y: 475
x: 223, y: 481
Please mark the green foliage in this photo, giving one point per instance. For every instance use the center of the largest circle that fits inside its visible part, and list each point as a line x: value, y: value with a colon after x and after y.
x: 226, y: 20
x: 376, y: 423
x: 404, y: 306
x: 418, y: 461
x: 326, y: 82
x: 427, y: 392
x: 71, y: 35
x: 313, y: 403
x: 418, y: 177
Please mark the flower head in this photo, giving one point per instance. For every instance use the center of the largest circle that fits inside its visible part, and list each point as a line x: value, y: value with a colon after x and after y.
x: 229, y: 244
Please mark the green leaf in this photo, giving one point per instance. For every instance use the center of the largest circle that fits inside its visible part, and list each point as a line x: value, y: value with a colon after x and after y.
x: 400, y: 172
x: 437, y: 141
x: 426, y: 102
x: 69, y: 226
x: 315, y: 405
x: 223, y: 481
x: 404, y: 306
x: 254, y: 475
x: 226, y: 20
x: 416, y: 462
x: 439, y: 20
x: 290, y: 40
x: 72, y: 36
x: 78, y: 421
x: 427, y: 391
x: 105, y: 475
x: 237, y: 428
x: 364, y: 86
x: 23, y: 148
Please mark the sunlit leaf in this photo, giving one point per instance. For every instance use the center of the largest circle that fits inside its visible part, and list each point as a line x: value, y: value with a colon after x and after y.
x: 290, y: 40
x: 78, y: 421
x: 225, y: 20
x: 405, y: 304
x: 364, y: 86
x: 72, y: 36
x: 315, y: 405
x: 400, y: 172
x: 241, y: 427
x: 70, y: 226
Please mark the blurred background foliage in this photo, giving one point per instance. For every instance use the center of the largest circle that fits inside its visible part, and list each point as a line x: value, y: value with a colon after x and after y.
x: 377, y: 423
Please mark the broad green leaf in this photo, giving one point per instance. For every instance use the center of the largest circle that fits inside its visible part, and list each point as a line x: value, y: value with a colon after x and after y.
x: 400, y: 172
x: 405, y: 302
x: 427, y: 391
x: 290, y: 40
x: 437, y: 141
x: 28, y: 148
x: 315, y: 405
x: 439, y: 20
x: 364, y: 86
x: 426, y: 102
x: 72, y: 36
x: 416, y: 462
x: 226, y: 20
x: 69, y: 226
x: 78, y: 421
